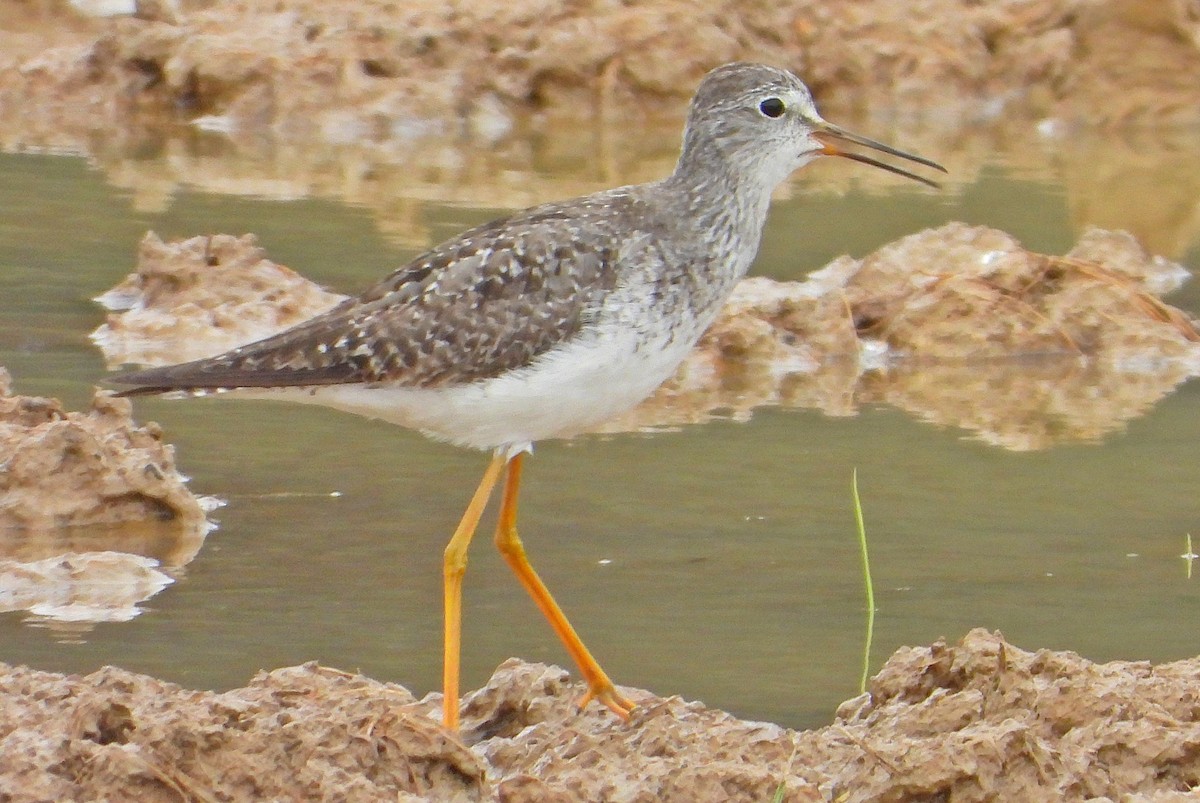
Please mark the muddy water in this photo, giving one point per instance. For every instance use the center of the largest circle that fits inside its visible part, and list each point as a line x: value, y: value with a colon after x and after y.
x: 718, y: 562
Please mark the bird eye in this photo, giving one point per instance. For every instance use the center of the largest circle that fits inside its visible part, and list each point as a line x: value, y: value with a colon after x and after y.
x: 771, y: 107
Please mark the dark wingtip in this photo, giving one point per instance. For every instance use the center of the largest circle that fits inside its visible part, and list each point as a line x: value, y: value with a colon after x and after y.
x: 144, y: 390
x: 142, y: 385
x: 146, y: 382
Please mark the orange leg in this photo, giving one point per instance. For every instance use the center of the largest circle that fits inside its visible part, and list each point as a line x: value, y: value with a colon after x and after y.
x: 600, y: 688
x: 454, y: 566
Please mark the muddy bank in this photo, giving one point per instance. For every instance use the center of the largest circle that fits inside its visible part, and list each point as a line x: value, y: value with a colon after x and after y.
x: 979, y: 720
x: 961, y: 326
x: 377, y: 71
x: 73, y: 469
x: 192, y: 299
x: 94, y: 516
x: 958, y: 325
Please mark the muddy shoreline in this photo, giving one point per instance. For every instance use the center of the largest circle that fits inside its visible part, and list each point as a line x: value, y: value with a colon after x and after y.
x: 979, y: 720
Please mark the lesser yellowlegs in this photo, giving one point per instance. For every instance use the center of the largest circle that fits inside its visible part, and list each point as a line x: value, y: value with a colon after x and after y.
x: 549, y: 321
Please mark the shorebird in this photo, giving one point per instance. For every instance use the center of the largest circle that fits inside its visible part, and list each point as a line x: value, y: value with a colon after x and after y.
x: 545, y: 323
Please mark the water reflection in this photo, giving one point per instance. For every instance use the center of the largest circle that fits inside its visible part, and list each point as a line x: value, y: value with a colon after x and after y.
x: 1146, y: 183
x: 1142, y: 181
x: 81, y: 575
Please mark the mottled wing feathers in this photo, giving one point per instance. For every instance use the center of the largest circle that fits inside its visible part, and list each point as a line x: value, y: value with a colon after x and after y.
x: 486, y: 302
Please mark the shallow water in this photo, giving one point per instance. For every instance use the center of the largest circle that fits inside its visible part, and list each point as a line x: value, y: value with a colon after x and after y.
x: 718, y: 562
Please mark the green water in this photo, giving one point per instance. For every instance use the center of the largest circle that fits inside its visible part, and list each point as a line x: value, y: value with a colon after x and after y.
x: 718, y: 562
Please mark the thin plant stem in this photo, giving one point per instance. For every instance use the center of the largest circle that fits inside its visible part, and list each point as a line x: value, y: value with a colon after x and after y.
x: 866, y: 567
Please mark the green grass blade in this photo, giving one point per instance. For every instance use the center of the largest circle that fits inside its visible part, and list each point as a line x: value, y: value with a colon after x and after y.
x: 866, y: 567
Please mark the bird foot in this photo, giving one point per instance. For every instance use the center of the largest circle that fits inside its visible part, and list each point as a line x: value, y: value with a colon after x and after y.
x: 606, y: 694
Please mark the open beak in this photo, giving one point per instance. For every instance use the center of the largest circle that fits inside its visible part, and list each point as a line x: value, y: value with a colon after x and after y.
x: 834, y: 141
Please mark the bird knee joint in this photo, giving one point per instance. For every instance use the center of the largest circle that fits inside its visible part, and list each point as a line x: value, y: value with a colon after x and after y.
x: 454, y: 564
x: 509, y: 543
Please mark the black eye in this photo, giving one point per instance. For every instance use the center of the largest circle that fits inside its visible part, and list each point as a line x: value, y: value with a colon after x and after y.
x: 771, y: 107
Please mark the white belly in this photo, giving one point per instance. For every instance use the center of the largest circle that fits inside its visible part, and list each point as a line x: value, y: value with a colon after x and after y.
x: 565, y: 392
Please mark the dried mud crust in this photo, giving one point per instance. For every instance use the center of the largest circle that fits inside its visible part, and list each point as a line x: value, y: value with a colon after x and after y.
x: 201, y: 296
x: 94, y: 516
x: 959, y: 325
x: 75, y: 469
x: 372, y: 69
x: 980, y: 720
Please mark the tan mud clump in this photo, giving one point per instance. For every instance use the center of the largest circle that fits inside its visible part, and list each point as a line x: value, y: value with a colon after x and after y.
x: 69, y: 469
x: 201, y: 296
x: 93, y: 514
x: 983, y: 720
x: 963, y: 292
x: 1025, y: 350
x: 540, y: 747
x: 978, y: 721
x: 960, y: 325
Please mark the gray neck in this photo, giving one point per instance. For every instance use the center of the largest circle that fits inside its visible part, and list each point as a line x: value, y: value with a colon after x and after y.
x: 716, y: 197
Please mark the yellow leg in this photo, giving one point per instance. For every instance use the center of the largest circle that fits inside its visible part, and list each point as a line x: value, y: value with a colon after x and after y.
x: 454, y: 566
x: 600, y: 688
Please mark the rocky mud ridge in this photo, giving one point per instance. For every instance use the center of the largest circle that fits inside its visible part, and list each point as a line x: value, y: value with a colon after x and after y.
x: 981, y: 720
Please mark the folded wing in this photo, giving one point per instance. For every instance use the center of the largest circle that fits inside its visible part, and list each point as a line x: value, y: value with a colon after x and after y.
x: 488, y: 301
